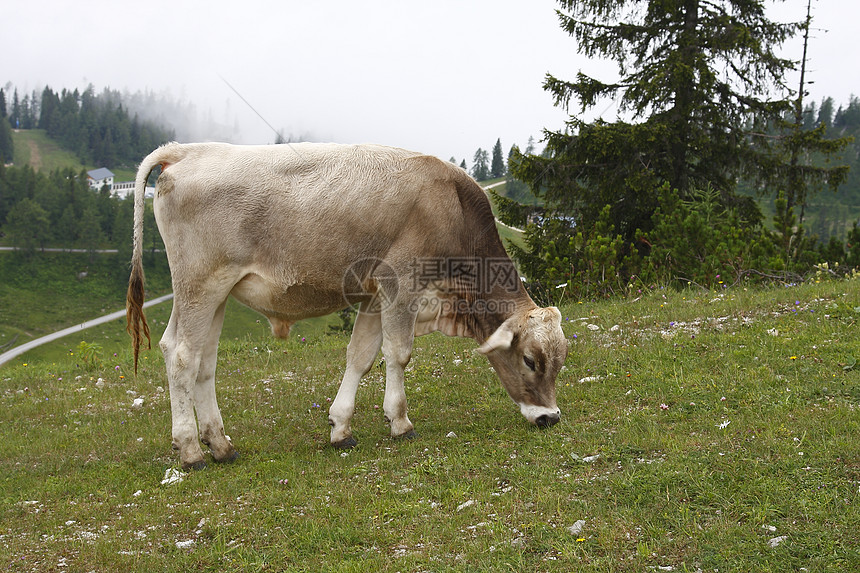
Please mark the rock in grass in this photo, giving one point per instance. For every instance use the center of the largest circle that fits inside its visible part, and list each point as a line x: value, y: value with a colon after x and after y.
x: 576, y: 528
x: 466, y: 504
x: 172, y: 476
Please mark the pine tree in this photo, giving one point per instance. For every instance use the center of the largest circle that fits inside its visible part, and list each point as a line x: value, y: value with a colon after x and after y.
x: 480, y: 165
x: 530, y: 146
x: 15, y: 116
x: 6, y: 144
x: 28, y: 226
x: 798, y: 143
x: 691, y: 74
x: 497, y: 166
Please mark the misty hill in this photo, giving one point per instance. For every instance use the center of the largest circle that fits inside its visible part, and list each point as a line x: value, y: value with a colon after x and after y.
x: 107, y: 129
x: 115, y: 130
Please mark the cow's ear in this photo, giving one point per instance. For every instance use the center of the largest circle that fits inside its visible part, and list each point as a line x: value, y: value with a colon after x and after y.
x: 500, y: 339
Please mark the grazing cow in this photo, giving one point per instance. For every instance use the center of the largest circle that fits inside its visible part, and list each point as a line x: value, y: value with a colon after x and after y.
x: 302, y: 230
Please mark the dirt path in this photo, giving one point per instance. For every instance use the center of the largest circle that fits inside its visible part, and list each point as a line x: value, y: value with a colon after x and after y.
x: 35, y: 156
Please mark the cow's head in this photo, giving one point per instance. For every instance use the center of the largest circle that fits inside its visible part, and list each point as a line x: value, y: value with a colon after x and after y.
x: 527, y: 351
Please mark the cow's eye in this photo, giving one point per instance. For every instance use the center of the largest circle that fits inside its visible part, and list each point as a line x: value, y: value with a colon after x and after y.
x: 529, y: 362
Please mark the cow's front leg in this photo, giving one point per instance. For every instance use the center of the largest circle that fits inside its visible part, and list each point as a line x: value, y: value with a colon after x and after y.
x: 208, y: 414
x: 360, y: 355
x: 398, y: 327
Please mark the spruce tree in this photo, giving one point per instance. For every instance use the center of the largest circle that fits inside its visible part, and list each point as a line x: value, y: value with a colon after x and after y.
x: 497, y: 165
x: 691, y: 74
x: 6, y: 144
x: 480, y: 165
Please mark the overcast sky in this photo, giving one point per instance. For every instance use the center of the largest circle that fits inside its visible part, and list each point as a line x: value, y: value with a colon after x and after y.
x: 444, y: 77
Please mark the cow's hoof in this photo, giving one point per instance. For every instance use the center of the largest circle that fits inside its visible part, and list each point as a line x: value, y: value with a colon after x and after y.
x: 410, y: 435
x: 345, y: 444
x: 198, y: 465
x: 232, y: 457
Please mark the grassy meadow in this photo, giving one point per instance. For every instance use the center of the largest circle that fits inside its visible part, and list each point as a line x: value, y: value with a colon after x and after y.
x: 33, y: 147
x: 701, y: 431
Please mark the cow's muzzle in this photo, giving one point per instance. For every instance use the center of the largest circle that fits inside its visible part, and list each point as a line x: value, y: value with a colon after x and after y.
x: 547, y: 420
x: 541, y: 416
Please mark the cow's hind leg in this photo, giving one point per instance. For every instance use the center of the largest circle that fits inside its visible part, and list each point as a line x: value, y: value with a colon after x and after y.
x: 360, y: 355
x: 398, y: 331
x: 182, y: 345
x: 208, y: 415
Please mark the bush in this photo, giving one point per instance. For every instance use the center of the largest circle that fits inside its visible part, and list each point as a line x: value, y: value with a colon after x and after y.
x: 595, y: 262
x: 703, y: 241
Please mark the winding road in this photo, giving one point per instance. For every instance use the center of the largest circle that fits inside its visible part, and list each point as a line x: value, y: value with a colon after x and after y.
x: 19, y: 350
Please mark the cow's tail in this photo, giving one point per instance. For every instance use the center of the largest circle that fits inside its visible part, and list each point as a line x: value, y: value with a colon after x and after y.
x: 136, y: 319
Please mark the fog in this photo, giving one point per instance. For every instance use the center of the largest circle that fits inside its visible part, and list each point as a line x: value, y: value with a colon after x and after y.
x: 443, y: 77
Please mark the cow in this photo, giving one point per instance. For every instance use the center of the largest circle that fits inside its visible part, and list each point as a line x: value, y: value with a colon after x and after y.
x: 302, y: 230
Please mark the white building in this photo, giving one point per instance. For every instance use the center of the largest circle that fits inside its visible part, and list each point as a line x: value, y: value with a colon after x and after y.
x: 98, y: 178
x: 122, y: 189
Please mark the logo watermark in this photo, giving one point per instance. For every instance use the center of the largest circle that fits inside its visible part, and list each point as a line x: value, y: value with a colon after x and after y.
x: 372, y: 282
x: 459, y: 285
x: 480, y: 276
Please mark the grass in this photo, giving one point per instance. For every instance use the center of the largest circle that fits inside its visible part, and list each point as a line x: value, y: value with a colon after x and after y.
x: 699, y: 429
x: 42, y: 294
x: 508, y: 234
x: 33, y: 147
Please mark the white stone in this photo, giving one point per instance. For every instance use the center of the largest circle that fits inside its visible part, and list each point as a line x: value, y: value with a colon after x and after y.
x: 576, y: 528
x: 466, y: 504
x: 172, y: 476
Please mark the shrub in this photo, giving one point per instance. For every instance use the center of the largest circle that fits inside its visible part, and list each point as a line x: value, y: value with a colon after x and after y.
x: 706, y: 242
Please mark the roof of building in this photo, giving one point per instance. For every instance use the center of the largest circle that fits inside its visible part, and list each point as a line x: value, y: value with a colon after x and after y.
x: 100, y: 173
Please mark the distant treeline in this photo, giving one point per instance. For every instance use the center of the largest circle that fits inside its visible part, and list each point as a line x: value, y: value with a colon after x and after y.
x: 95, y: 127
x: 828, y: 214
x: 59, y: 209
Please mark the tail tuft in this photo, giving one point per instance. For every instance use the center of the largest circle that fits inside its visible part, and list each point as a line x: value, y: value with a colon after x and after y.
x: 135, y: 317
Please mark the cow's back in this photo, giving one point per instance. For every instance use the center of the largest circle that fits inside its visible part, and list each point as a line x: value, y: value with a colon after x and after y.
x: 294, y: 217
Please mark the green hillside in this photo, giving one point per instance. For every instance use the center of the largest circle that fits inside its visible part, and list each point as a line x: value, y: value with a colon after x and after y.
x: 35, y: 148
